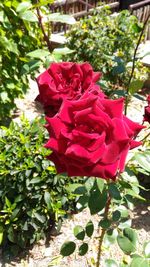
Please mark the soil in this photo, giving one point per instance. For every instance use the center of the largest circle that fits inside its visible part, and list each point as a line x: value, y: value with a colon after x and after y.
x: 42, y: 255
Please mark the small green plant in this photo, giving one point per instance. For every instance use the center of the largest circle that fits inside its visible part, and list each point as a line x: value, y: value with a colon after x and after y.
x: 32, y: 196
x: 107, y: 41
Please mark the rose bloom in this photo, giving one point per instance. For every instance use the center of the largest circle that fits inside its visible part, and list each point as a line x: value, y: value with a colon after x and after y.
x: 147, y: 110
x: 91, y: 137
x: 65, y: 80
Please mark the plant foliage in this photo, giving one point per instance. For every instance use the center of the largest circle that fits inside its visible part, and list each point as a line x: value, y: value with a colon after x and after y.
x: 107, y: 41
x: 32, y: 196
x: 25, y: 26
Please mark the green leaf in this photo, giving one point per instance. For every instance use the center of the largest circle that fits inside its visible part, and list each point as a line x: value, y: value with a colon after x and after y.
x: 9, y: 44
x: 35, y: 180
x: 116, y: 215
x: 147, y: 249
x: 127, y: 241
x: 81, y: 190
x: 124, y: 211
x: 15, y: 213
x: 97, y: 200
x: 39, y: 217
x: 29, y: 16
x: 62, y: 51
x: 38, y: 53
x: 8, y: 203
x: 89, y: 229
x: 57, y: 17
x: 83, y: 249
x: 67, y: 248
x: 135, y: 86
x: 2, y: 16
x: 28, y: 172
x: 1, y: 237
x: 22, y: 7
x: 89, y: 183
x: 105, y: 223
x: 125, y: 223
x: 134, y: 194
x: 79, y: 232
x: 100, y: 184
x: 118, y: 69
x: 129, y: 177
x: 139, y: 261
x: 47, y: 199
x: 72, y: 187
x: 82, y: 202
x: 1, y: 234
x: 11, y: 235
x: 114, y: 192
x: 143, y: 160
x: 4, y: 97
x: 119, y: 66
x: 110, y: 263
x: 110, y: 237
x: 25, y: 226
x: 19, y: 198
x: 55, y: 261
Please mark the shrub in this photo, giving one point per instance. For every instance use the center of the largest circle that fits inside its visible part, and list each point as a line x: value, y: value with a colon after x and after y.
x: 107, y: 42
x: 24, y: 47
x: 32, y: 195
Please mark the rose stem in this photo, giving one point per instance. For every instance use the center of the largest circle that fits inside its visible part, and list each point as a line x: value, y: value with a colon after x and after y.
x: 101, y: 237
x: 143, y: 140
x: 46, y: 38
x: 134, y: 59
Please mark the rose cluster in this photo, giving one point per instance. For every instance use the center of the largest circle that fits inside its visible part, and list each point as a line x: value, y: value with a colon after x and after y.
x: 89, y: 135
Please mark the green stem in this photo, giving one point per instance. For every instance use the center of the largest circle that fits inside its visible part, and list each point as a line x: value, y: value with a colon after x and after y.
x: 101, y: 237
x: 46, y: 37
x: 134, y: 60
x: 144, y: 139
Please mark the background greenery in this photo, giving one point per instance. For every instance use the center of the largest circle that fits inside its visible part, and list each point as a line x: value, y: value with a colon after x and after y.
x: 107, y: 42
x: 25, y: 30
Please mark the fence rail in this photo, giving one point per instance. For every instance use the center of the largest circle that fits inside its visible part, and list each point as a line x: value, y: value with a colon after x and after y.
x: 81, y: 8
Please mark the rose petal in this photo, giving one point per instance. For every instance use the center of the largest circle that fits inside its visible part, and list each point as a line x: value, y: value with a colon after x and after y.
x: 54, y: 126
x: 114, y: 107
x: 77, y: 151
x: 52, y: 144
x: 112, y: 151
x: 119, y: 131
x: 134, y: 127
x: 123, y: 158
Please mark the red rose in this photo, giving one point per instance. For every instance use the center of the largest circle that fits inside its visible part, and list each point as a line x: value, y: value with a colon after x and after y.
x: 65, y: 80
x: 147, y: 110
x: 91, y: 137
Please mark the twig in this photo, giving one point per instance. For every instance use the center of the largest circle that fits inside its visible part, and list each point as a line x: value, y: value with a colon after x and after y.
x: 134, y: 59
x: 46, y: 38
x: 101, y: 237
x: 144, y: 138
